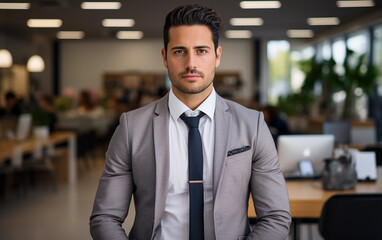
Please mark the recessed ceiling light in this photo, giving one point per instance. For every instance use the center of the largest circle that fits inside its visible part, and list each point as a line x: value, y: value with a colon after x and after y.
x: 16, y: 6
x: 364, y: 3
x: 130, y: 35
x: 101, y: 5
x: 260, y: 4
x: 316, y: 21
x: 300, y: 33
x: 118, y: 22
x: 246, y: 21
x: 44, y: 23
x: 238, y: 34
x: 70, y: 35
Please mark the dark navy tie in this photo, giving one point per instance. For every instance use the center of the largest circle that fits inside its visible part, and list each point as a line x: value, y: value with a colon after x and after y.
x: 195, y: 177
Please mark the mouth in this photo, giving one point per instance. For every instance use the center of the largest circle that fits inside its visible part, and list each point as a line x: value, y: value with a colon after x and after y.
x: 191, y: 77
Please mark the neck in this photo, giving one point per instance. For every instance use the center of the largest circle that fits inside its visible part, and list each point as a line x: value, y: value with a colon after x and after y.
x: 192, y: 100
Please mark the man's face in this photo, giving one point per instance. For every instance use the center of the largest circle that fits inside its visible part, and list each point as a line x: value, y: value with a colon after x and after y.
x: 191, y: 60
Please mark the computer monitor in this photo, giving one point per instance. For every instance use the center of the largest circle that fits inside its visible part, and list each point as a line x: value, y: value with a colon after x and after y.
x: 293, y: 148
x: 340, y: 130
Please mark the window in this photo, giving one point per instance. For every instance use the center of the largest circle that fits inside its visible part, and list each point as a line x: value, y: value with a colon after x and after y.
x: 279, y: 70
x: 359, y: 42
x: 326, y: 51
x: 377, y: 55
x: 339, y: 52
x: 297, y: 75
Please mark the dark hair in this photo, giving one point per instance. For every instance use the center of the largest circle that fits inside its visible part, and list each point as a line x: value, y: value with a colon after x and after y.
x: 86, y: 100
x: 10, y: 95
x: 49, y: 99
x: 192, y: 15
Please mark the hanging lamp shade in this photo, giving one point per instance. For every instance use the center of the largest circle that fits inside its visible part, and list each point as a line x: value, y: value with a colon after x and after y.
x: 5, y: 58
x: 35, y: 64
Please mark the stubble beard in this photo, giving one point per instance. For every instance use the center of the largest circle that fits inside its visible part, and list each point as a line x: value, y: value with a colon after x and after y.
x: 184, y: 89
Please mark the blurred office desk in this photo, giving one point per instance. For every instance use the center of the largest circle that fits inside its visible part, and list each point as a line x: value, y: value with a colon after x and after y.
x: 7, y: 148
x: 307, y: 197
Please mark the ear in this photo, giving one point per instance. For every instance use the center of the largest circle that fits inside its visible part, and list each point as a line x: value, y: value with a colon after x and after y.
x: 218, y: 55
x: 164, y: 56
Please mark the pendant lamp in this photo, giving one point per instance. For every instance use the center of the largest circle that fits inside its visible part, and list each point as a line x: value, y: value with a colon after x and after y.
x: 35, y: 64
x: 5, y: 58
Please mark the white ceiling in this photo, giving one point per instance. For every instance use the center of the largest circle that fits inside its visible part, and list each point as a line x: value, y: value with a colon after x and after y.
x: 149, y: 17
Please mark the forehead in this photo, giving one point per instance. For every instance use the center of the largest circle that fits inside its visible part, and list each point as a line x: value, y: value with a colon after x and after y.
x: 190, y: 35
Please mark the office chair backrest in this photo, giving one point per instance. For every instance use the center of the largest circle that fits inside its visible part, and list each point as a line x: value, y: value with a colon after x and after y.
x: 352, y: 216
x: 340, y: 130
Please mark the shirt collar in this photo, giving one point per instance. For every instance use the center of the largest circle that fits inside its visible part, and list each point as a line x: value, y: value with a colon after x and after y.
x: 177, y: 107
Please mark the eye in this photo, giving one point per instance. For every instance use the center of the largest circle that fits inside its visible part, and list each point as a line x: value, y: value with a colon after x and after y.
x: 202, y: 51
x: 180, y: 51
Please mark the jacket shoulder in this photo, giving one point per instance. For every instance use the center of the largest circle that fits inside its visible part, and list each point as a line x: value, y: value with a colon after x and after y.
x: 148, y: 111
x: 241, y: 111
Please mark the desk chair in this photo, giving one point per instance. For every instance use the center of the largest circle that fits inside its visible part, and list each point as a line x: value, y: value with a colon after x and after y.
x: 15, y: 179
x: 41, y: 163
x: 340, y: 130
x: 352, y: 216
x: 86, y: 145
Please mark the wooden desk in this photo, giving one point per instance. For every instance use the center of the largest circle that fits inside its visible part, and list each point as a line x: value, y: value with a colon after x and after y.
x: 27, y: 146
x: 307, y: 197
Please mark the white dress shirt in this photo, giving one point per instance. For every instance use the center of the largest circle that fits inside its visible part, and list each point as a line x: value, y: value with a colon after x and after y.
x: 175, y: 221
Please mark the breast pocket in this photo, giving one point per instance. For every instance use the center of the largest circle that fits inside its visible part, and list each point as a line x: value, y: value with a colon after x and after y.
x: 238, y: 158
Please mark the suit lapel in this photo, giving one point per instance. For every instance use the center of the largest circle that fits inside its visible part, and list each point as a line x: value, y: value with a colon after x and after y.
x: 161, y: 149
x: 222, y: 134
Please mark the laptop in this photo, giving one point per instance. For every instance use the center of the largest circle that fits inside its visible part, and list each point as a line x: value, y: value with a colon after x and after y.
x: 302, y: 156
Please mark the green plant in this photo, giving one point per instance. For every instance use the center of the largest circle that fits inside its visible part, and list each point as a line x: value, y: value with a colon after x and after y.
x: 295, y: 103
x: 300, y: 102
x: 62, y: 104
x: 357, y: 74
x: 40, y: 117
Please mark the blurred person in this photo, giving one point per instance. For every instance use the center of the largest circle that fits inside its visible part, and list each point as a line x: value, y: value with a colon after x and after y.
x: 190, y: 180
x: 145, y: 97
x: 254, y: 104
x: 88, y: 107
x: 12, y: 106
x: 46, y: 104
x: 277, y: 125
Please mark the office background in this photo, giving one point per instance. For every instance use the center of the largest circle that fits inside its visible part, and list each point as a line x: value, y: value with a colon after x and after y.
x: 261, y: 62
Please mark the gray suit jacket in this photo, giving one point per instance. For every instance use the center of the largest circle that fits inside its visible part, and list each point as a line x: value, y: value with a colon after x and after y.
x: 245, y: 161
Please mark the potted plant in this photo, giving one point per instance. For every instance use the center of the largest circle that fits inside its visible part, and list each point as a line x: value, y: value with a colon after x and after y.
x: 357, y: 74
x: 41, y: 123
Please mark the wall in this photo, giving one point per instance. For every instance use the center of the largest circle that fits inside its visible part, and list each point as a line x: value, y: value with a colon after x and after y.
x: 84, y: 62
x: 15, y: 79
x: 22, y: 50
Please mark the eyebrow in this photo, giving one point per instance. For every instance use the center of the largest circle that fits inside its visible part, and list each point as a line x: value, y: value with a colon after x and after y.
x: 197, y: 47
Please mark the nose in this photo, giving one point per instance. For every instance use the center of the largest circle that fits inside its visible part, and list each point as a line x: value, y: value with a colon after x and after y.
x: 190, y: 61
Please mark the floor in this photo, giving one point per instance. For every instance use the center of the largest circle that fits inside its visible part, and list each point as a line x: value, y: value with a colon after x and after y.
x: 64, y: 214
x: 44, y: 214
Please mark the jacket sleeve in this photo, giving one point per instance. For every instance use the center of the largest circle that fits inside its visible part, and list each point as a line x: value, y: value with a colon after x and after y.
x: 112, y: 201
x: 268, y: 189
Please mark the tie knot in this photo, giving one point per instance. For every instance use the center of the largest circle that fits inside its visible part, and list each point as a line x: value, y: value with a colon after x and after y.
x: 192, y: 122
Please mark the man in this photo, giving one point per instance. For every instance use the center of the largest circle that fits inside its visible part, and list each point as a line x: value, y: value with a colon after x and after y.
x: 149, y: 154
x: 12, y: 106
